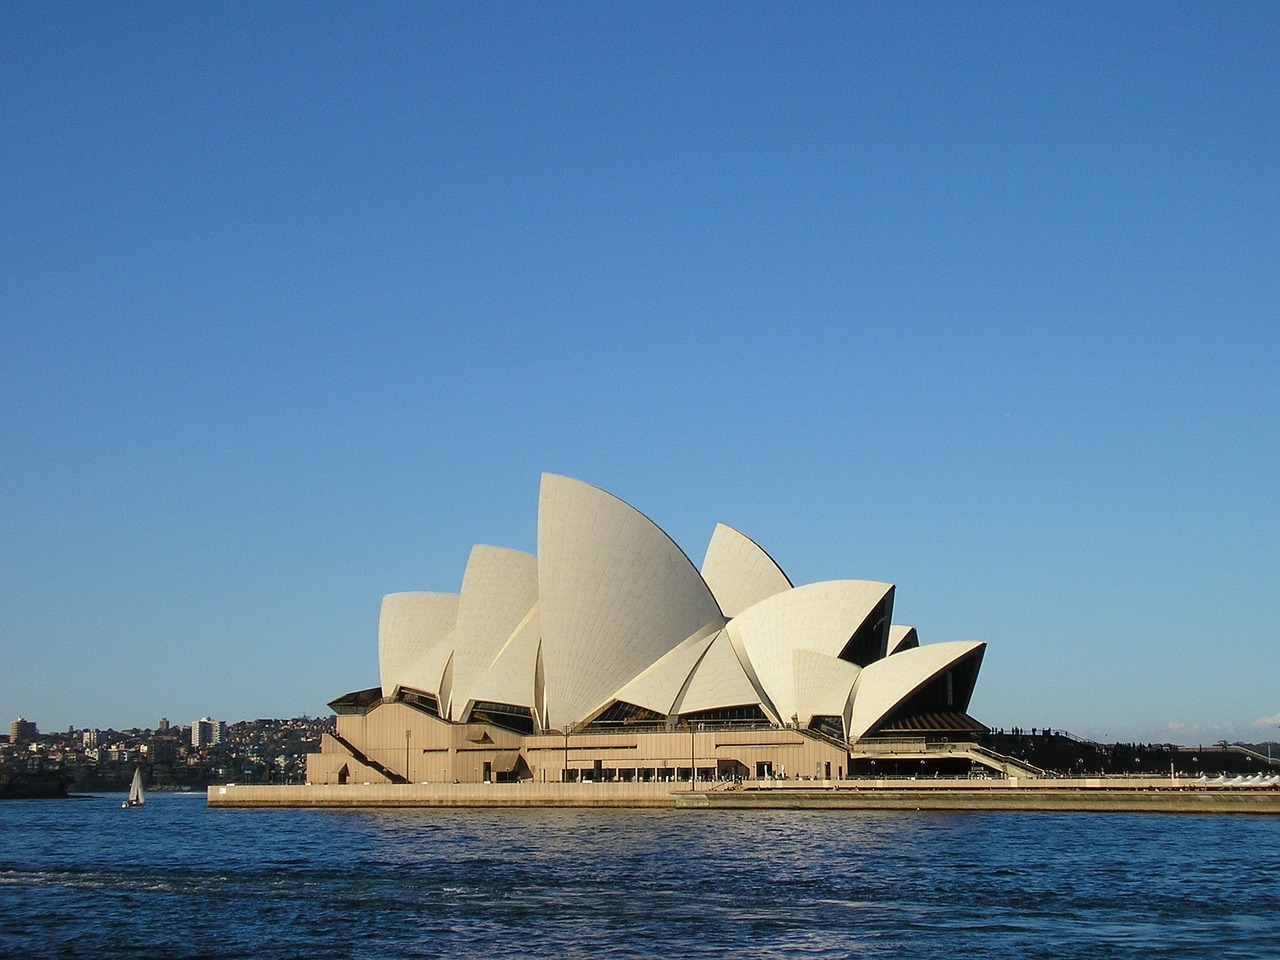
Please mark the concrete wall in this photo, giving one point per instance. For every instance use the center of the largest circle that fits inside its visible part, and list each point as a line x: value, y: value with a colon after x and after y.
x: 1112, y: 796
x: 440, y: 752
x: 328, y: 765
x: 446, y: 795
x: 435, y: 751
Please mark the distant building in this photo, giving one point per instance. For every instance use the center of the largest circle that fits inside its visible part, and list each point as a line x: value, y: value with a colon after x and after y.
x: 202, y: 732
x: 89, y: 738
x: 162, y: 750
x: 207, y: 732
x: 163, y: 725
x: 122, y: 753
x: 22, y: 731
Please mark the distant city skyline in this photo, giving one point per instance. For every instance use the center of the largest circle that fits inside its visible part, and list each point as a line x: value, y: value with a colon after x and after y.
x: 299, y: 303
x: 25, y: 726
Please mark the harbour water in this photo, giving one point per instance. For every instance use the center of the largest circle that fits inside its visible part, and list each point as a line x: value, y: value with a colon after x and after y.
x: 83, y: 878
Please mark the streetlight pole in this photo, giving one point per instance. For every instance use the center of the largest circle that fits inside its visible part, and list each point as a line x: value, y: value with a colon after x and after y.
x: 407, y: 777
x: 693, y: 761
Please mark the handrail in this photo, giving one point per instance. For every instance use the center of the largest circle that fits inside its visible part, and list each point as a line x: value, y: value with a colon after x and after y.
x: 1239, y: 748
x: 1071, y: 736
x: 951, y: 747
x: 890, y: 746
x: 821, y: 735
x: 1001, y: 758
x: 703, y: 726
x: 367, y: 760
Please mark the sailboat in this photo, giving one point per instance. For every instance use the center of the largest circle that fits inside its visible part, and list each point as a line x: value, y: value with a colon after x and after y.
x: 136, y: 797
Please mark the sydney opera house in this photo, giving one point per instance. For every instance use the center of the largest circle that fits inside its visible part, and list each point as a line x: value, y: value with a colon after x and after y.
x: 610, y: 657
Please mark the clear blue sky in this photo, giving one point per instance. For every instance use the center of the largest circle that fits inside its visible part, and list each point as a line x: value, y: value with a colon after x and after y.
x: 298, y: 300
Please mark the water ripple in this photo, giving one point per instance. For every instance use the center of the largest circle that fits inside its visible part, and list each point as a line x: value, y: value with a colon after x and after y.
x: 176, y: 879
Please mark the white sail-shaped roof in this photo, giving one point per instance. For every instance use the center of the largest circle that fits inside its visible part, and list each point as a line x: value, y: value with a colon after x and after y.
x: 410, y: 627
x: 824, y: 683
x: 499, y: 589
x: 433, y: 673
x: 718, y: 681
x: 883, y: 685
x: 657, y: 688
x: 511, y: 678
x: 615, y: 593
x: 739, y: 573
x: 902, y: 638
x: 819, y: 617
x: 611, y: 609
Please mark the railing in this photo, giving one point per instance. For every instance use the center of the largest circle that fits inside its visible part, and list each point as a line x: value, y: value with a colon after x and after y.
x: 1008, y: 761
x: 705, y: 726
x: 1237, y: 748
x: 1072, y: 737
x: 367, y: 760
x: 823, y: 736
x: 918, y: 746
x: 897, y: 745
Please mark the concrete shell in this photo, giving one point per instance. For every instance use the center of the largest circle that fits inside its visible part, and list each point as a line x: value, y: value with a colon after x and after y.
x: 657, y: 688
x: 739, y: 573
x: 883, y: 685
x: 433, y: 674
x: 499, y: 589
x: 616, y: 594
x: 410, y: 627
x: 825, y: 684
x: 901, y: 638
x: 511, y: 678
x: 611, y: 608
x: 818, y: 617
x: 717, y: 681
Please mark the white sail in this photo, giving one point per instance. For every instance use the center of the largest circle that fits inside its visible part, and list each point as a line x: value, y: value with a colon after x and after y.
x: 136, y: 795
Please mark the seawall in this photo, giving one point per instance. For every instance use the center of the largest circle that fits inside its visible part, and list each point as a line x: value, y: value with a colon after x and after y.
x: 1157, y: 795
x: 445, y: 795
